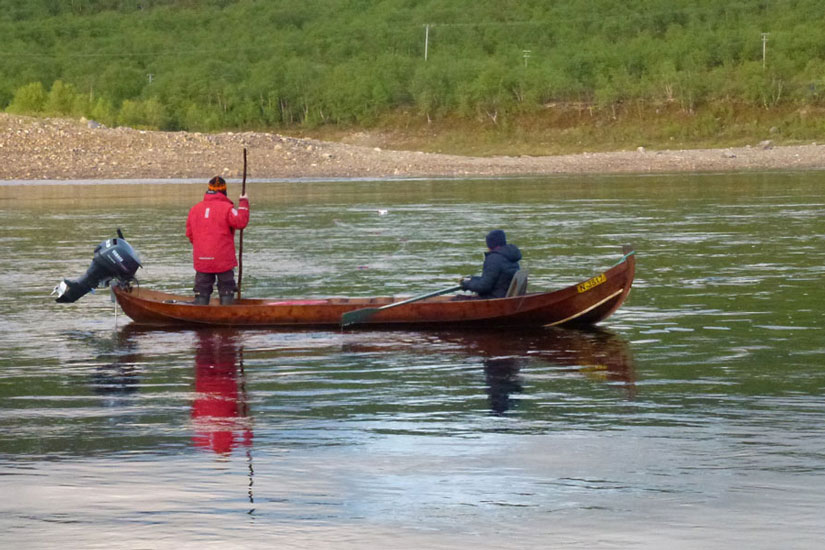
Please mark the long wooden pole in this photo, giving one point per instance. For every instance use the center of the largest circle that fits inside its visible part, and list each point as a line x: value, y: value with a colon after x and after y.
x: 240, y: 243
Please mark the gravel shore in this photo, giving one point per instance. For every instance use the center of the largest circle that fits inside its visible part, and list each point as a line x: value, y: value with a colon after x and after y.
x: 57, y: 149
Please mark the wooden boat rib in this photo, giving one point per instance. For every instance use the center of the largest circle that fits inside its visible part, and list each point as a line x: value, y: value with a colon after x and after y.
x: 585, y: 303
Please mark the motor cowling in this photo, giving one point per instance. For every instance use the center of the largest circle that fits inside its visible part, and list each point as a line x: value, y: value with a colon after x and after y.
x: 113, y: 259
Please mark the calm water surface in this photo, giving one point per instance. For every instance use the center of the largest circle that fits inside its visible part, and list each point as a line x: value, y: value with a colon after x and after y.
x: 693, y: 418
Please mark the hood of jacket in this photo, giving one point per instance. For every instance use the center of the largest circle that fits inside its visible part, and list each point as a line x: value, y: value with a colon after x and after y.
x: 509, y: 251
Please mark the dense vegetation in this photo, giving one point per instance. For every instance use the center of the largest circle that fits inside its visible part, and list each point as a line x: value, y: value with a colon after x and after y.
x: 219, y: 64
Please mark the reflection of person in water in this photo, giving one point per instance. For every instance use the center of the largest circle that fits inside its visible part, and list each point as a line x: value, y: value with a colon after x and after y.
x: 502, y: 377
x: 219, y: 409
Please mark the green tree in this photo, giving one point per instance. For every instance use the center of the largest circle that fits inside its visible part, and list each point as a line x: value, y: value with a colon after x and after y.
x: 29, y: 100
x: 103, y: 111
x: 155, y: 115
x: 62, y: 100
x: 131, y: 114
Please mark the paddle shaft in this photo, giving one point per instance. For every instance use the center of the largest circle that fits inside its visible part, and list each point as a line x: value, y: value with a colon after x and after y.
x: 422, y: 297
x: 240, y: 239
x: 360, y: 315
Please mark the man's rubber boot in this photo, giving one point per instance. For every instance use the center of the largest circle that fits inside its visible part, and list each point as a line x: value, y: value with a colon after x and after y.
x: 201, y: 300
x: 227, y: 299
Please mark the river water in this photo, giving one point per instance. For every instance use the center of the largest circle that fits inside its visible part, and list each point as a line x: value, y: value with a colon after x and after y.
x: 692, y: 418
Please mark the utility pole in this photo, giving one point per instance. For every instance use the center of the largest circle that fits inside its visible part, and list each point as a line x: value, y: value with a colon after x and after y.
x: 151, y: 77
x: 764, y: 47
x: 526, y: 55
x: 426, y: 40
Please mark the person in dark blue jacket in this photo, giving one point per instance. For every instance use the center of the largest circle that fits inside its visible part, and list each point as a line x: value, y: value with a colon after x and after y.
x: 500, y: 264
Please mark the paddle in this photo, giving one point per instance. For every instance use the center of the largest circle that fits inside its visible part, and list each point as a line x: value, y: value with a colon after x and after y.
x: 361, y: 315
x: 240, y: 239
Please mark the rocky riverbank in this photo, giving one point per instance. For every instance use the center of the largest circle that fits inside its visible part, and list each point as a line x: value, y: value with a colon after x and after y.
x: 55, y: 149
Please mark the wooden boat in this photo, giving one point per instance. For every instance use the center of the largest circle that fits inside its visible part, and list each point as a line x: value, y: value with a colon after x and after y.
x: 582, y: 304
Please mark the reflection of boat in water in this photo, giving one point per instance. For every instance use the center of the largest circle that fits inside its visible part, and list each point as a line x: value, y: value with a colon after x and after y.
x: 120, y: 376
x: 513, y: 362
x: 507, y: 356
x: 219, y: 411
x: 591, y: 350
x: 597, y: 354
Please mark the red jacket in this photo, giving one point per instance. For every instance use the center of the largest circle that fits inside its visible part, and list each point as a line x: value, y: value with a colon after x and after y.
x: 211, y: 229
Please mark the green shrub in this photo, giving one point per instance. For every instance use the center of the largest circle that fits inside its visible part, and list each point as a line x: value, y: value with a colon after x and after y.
x: 62, y: 99
x: 149, y: 114
x: 103, y: 111
x: 29, y: 100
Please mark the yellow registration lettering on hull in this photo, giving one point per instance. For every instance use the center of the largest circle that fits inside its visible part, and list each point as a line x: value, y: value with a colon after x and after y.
x: 595, y: 281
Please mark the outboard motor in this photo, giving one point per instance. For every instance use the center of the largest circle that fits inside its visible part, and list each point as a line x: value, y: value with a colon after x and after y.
x: 113, y: 259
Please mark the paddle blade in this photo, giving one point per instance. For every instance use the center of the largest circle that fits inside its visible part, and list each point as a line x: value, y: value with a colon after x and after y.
x: 357, y: 316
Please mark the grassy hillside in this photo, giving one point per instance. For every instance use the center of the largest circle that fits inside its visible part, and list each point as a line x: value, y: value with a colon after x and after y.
x: 570, y: 74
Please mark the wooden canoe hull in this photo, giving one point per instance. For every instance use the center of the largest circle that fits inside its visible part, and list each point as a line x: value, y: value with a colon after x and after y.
x: 586, y: 303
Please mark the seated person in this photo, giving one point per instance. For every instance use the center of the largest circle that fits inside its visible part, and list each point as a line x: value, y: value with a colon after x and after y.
x: 500, y: 264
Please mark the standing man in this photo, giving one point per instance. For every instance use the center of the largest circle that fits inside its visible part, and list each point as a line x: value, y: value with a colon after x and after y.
x: 500, y: 264
x: 211, y: 229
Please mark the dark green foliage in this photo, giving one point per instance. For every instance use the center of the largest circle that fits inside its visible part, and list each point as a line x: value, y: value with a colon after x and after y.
x: 213, y: 64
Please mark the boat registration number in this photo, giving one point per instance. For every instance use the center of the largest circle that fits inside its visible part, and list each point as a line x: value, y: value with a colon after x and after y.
x: 595, y: 281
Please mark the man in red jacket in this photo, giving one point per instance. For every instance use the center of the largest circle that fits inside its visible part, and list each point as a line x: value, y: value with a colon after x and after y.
x: 211, y: 229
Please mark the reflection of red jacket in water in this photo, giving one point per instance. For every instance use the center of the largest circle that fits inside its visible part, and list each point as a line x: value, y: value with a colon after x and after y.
x: 215, y: 411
